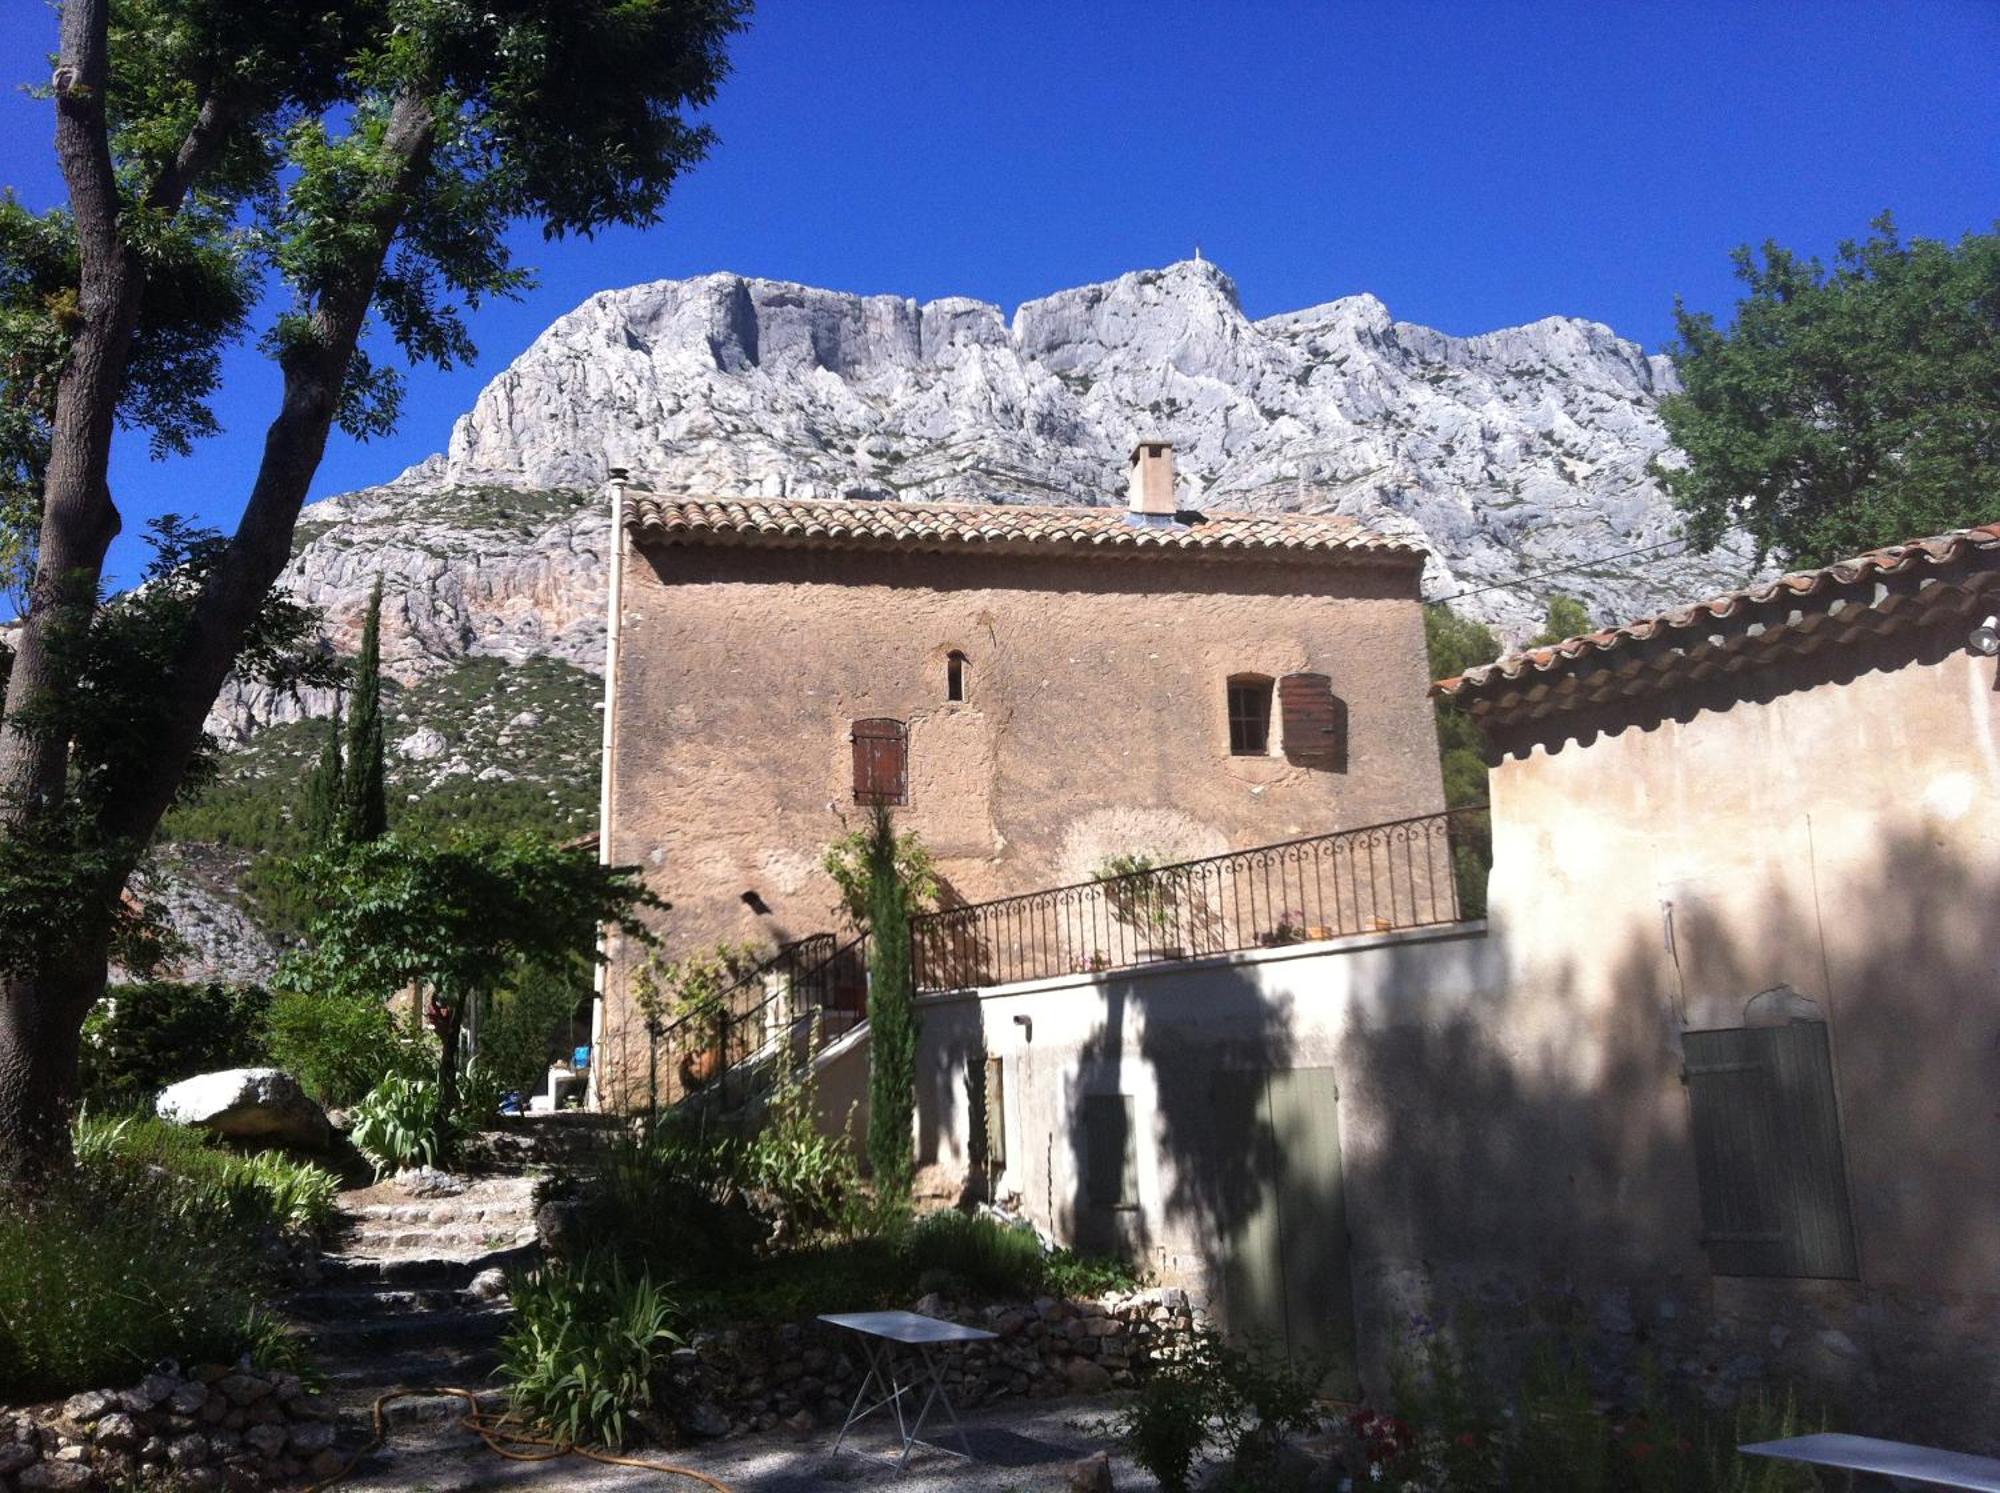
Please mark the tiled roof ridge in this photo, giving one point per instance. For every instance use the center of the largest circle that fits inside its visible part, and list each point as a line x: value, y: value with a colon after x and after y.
x: 1938, y: 551
x: 842, y: 522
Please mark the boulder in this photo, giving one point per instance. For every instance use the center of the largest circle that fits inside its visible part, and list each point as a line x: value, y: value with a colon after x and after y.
x: 249, y: 1104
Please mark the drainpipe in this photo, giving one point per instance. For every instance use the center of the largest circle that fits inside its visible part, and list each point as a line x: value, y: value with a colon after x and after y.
x: 614, y: 611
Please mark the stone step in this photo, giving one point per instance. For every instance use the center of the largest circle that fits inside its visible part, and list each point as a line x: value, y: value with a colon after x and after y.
x: 453, y: 1270
x: 473, y: 1240
x: 512, y: 1211
x: 351, y: 1303
x: 354, y: 1384
x: 459, y: 1327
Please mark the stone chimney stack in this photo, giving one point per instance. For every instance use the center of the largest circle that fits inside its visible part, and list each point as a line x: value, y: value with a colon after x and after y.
x: 1152, y: 480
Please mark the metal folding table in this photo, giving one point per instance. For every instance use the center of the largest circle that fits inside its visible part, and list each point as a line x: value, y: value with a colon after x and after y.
x: 882, y: 1334
x: 1893, y: 1459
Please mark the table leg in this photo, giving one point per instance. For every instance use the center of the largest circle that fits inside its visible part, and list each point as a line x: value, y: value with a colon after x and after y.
x: 856, y: 1413
x: 937, y: 1393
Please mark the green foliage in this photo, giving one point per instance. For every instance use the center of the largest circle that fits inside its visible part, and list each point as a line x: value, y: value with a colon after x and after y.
x: 340, y: 1046
x: 1567, y: 618
x: 812, y: 1178
x: 588, y: 1340
x: 966, y: 1253
x: 215, y: 1187
x: 1235, y: 1403
x: 140, y: 1038
x: 892, y: 1015
x: 1145, y: 890
x: 403, y: 1123
x: 847, y: 860
x: 1846, y: 407
x: 1454, y: 644
x: 326, y: 789
x: 61, y: 873
x: 515, y: 1033
x: 457, y: 918
x: 108, y: 1273
x: 363, y: 806
x: 1456, y: 1432
x: 692, y: 992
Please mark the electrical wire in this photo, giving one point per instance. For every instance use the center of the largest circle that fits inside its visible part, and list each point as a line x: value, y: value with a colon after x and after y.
x: 1522, y: 580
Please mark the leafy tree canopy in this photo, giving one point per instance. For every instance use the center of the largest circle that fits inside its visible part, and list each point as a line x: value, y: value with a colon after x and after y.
x: 1567, y: 618
x: 1846, y: 407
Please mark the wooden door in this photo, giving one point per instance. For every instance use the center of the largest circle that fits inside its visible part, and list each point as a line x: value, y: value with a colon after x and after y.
x: 1286, y: 1283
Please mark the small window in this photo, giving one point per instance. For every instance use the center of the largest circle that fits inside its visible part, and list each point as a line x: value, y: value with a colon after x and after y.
x: 881, y: 762
x: 954, y: 675
x: 1767, y: 1152
x: 1111, y: 1164
x: 1250, y: 716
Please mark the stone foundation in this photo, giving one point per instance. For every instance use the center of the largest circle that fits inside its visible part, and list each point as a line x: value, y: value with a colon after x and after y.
x: 212, y: 1429
x: 805, y: 1375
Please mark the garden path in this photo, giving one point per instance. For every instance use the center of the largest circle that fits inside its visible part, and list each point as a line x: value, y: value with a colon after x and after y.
x: 1022, y: 1448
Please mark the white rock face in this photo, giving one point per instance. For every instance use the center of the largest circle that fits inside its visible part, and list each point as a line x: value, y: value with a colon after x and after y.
x: 1520, y: 450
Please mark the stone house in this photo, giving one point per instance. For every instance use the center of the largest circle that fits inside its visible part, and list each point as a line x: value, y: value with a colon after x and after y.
x: 1715, y: 1082
x: 1034, y: 690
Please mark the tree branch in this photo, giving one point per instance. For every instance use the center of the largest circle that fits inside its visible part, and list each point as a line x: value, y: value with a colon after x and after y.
x: 293, y: 446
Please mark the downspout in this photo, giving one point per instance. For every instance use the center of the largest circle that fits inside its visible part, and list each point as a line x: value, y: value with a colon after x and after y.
x: 614, y: 611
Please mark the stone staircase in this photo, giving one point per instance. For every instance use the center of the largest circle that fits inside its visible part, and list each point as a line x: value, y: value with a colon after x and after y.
x: 410, y: 1294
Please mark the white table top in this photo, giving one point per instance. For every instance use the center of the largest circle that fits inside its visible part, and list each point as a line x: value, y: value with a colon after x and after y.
x: 1923, y: 1464
x: 909, y: 1327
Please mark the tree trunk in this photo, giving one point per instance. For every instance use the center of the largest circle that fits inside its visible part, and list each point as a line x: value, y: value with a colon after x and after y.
x: 41, y: 1025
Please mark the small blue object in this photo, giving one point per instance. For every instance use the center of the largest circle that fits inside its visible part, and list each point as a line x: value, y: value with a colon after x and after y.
x: 582, y: 1060
x: 510, y: 1103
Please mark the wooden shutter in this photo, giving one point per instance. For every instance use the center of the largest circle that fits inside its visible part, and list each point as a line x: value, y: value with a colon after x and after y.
x: 1314, y: 722
x: 1768, y: 1154
x: 1111, y: 1166
x: 881, y: 762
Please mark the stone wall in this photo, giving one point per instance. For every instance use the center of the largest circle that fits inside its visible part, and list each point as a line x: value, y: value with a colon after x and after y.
x: 805, y: 1376
x: 211, y: 1429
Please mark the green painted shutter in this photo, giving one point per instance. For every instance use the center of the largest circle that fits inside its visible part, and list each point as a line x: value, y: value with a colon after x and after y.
x: 1768, y: 1155
x: 1111, y: 1164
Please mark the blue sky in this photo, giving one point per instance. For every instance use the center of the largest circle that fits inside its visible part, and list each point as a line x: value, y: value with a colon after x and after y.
x: 1476, y: 165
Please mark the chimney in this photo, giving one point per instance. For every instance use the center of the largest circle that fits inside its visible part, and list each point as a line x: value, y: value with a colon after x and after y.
x: 1152, y: 481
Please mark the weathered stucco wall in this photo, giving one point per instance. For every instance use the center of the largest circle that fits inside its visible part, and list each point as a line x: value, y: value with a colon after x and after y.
x: 1514, y: 1127
x: 1095, y: 720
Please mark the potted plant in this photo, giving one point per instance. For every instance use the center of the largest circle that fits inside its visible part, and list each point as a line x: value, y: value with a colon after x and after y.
x: 1290, y: 928
x: 1146, y: 896
x: 691, y: 996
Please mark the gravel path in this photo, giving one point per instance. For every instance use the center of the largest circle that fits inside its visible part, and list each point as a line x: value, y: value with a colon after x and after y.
x: 1023, y: 1448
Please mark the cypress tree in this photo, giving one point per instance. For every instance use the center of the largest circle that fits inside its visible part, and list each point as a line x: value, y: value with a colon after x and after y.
x: 364, y: 802
x: 892, y: 1016
x: 324, y: 793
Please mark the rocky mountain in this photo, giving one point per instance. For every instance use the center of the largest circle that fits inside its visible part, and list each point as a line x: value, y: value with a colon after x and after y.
x: 1519, y: 452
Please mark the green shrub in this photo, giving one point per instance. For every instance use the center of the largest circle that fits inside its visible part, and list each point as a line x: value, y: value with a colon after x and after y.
x: 985, y: 1256
x: 587, y: 1340
x: 402, y: 1124
x: 514, y: 1048
x: 812, y: 1178
x: 340, y: 1047
x: 1219, y: 1400
x: 109, y: 1273
x: 141, y: 1038
x: 216, y: 1187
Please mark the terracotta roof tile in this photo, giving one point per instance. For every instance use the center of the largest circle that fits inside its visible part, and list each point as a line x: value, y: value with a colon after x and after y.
x: 1735, y: 609
x: 1000, y: 526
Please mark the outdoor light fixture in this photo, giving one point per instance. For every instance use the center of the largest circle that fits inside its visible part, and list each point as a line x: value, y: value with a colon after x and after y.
x: 1027, y: 1026
x: 1985, y: 638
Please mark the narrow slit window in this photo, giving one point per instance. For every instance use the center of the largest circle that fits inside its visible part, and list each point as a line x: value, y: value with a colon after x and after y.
x: 1250, y: 716
x: 954, y: 675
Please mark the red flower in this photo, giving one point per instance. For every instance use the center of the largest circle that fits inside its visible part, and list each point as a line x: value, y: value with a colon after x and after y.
x: 1466, y: 1438
x: 1640, y: 1450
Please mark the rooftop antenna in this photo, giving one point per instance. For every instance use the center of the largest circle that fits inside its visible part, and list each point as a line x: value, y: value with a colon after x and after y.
x: 1197, y: 253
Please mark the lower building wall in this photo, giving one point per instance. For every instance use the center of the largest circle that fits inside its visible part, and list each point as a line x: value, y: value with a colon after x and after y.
x: 1494, y: 1152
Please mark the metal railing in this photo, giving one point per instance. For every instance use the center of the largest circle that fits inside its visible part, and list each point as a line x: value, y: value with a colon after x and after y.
x: 1409, y: 873
x: 1403, y: 874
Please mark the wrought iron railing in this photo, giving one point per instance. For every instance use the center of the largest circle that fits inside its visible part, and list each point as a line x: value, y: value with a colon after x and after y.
x: 1409, y: 873
x: 1404, y: 874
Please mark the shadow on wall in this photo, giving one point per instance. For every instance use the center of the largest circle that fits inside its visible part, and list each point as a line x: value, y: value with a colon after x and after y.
x: 1524, y: 1159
